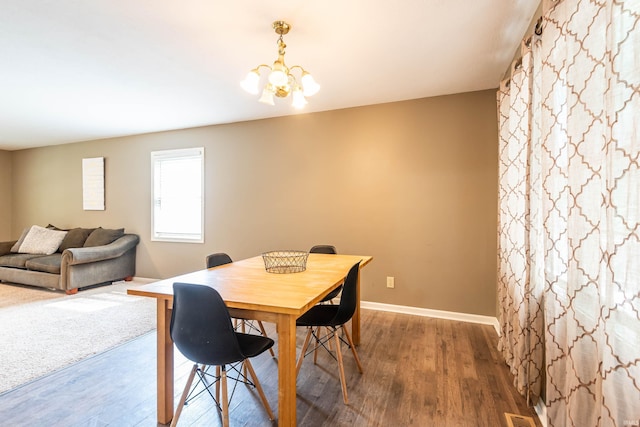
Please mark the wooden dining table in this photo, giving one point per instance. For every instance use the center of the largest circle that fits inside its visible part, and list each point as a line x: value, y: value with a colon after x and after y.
x: 250, y: 292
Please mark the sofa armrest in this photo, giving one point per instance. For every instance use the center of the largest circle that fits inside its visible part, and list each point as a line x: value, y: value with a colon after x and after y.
x: 5, y: 247
x: 115, y: 249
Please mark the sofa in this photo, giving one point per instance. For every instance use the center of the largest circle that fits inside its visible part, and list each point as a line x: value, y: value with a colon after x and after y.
x: 68, y: 259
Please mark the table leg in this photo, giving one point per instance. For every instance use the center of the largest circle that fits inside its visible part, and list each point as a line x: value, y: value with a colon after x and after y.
x: 355, y: 320
x: 165, y: 363
x: 286, y: 325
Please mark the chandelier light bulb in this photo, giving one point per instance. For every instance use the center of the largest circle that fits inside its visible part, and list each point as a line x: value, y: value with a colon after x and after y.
x: 267, y: 95
x: 278, y: 78
x: 299, y: 100
x: 309, y: 84
x: 250, y: 82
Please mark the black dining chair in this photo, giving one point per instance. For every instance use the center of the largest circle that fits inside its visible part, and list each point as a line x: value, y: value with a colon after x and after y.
x: 221, y: 258
x: 323, y: 249
x: 332, y: 318
x: 327, y: 249
x: 217, y: 259
x: 202, y: 331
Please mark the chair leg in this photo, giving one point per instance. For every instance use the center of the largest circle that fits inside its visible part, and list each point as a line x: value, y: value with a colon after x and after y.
x: 343, y: 382
x: 304, y: 349
x: 353, y: 348
x: 174, y: 421
x: 259, y: 388
x: 217, y: 384
x: 243, y: 329
x: 225, y: 399
x: 264, y: 333
x: 315, y: 349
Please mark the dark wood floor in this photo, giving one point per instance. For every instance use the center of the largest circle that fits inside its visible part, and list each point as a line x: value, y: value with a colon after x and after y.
x: 418, y: 371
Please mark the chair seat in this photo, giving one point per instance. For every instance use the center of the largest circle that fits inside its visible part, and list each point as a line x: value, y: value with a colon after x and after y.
x: 319, y: 315
x: 253, y: 345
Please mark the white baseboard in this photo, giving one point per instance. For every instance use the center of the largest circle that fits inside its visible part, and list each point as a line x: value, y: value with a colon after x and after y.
x: 541, y: 411
x: 439, y: 314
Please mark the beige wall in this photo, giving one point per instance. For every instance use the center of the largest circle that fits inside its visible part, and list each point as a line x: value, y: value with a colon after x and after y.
x: 412, y: 183
x: 5, y: 195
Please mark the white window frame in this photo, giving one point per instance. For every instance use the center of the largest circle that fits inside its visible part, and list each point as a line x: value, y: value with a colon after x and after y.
x: 175, y: 155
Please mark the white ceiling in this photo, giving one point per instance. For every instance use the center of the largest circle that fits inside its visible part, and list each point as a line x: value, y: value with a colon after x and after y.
x: 76, y: 70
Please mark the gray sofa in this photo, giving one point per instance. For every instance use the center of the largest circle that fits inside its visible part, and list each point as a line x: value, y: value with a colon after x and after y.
x: 71, y: 268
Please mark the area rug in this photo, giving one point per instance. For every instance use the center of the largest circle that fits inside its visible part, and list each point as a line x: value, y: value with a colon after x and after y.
x: 42, y: 331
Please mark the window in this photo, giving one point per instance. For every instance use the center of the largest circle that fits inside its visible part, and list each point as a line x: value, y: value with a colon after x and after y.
x: 177, y: 209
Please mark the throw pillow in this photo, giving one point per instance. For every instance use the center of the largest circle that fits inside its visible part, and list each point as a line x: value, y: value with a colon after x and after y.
x: 41, y: 241
x: 103, y: 236
x: 75, y: 238
x: 16, y: 247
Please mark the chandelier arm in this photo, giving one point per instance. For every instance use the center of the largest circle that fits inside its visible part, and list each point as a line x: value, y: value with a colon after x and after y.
x: 297, y: 66
x: 262, y: 66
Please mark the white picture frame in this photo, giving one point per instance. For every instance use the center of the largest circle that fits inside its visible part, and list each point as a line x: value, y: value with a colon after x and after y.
x: 93, y: 184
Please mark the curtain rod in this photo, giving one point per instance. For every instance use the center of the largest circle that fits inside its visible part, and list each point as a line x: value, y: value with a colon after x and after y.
x: 517, y: 63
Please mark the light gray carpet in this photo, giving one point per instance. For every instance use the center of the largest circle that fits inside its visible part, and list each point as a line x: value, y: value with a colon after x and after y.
x: 42, y: 331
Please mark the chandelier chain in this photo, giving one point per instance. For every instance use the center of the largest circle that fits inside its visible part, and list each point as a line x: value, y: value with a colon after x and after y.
x: 281, y: 45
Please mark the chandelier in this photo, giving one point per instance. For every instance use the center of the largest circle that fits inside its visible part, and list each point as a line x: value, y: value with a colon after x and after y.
x: 281, y: 81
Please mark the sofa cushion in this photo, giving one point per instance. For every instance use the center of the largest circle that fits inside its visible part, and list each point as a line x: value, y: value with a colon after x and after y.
x: 46, y: 264
x: 16, y: 247
x: 41, y: 240
x: 16, y: 260
x: 103, y: 236
x: 75, y: 238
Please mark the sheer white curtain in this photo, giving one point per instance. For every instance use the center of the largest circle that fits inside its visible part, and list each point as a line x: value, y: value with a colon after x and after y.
x: 579, y: 220
x: 519, y: 293
x: 590, y: 121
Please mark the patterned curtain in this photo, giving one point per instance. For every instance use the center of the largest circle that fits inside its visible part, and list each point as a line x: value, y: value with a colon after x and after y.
x: 519, y: 293
x: 590, y: 121
x: 570, y: 214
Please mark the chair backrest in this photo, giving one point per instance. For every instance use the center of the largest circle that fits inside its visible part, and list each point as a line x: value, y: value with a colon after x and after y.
x: 323, y: 249
x: 201, y: 326
x: 220, y: 258
x: 348, y: 298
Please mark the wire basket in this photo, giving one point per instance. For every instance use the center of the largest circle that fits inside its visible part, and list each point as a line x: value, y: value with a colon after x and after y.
x: 285, y: 261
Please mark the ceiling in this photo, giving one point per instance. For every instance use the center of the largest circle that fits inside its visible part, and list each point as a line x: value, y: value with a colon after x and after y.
x: 77, y: 70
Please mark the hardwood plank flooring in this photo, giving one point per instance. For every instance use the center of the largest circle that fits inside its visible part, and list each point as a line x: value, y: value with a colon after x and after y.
x: 418, y: 371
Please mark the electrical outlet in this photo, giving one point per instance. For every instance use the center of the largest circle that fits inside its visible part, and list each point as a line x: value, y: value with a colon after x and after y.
x: 391, y: 282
